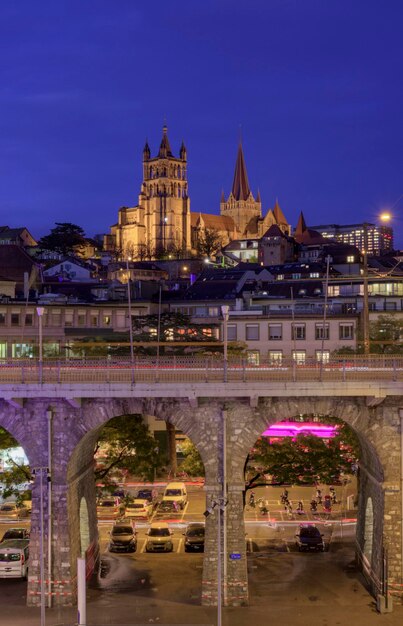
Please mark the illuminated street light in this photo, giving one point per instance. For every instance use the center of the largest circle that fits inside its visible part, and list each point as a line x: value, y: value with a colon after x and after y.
x: 385, y: 217
x: 40, y: 310
x: 129, y: 304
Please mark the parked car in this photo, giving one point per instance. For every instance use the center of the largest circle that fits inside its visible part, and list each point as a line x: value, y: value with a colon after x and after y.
x: 148, y: 494
x: 10, y: 510
x: 14, y: 558
x: 176, y: 492
x: 167, y: 508
x: 194, y: 538
x: 15, y: 533
x: 110, y: 508
x: 159, y: 538
x: 123, y: 538
x: 309, y: 537
x: 139, y: 509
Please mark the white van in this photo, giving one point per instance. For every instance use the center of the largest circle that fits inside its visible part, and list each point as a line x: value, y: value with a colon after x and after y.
x: 14, y: 558
x: 176, y: 492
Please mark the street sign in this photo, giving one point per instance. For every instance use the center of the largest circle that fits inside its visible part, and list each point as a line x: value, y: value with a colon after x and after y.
x: 235, y: 556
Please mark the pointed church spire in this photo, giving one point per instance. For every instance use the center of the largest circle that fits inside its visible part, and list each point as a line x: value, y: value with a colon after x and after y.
x: 258, y: 199
x: 165, y: 148
x: 146, y: 152
x: 183, y: 152
x: 240, y: 186
x: 222, y: 199
x: 278, y: 214
x: 301, y: 226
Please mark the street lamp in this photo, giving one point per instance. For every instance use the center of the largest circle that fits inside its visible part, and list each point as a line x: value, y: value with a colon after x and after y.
x: 40, y: 472
x: 218, y: 505
x: 40, y: 310
x: 129, y: 304
x: 225, y: 315
x: 365, y: 312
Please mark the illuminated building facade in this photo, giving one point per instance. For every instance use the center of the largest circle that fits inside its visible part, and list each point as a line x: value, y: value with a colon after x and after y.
x: 380, y: 238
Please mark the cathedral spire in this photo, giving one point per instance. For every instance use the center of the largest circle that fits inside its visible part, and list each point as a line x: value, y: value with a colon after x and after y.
x: 146, y: 152
x: 240, y: 186
x: 278, y: 214
x: 301, y: 226
x: 165, y: 148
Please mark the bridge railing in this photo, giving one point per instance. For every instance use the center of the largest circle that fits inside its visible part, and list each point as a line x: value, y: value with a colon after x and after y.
x: 199, y: 369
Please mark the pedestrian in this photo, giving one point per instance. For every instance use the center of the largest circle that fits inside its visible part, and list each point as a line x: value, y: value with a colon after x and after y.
x: 333, y: 495
x: 318, y: 495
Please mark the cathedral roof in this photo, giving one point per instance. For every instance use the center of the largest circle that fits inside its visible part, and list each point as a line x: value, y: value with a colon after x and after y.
x: 301, y: 226
x: 165, y: 148
x: 215, y: 222
x: 240, y: 185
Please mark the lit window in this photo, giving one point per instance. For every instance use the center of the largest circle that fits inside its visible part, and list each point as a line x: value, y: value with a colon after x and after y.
x: 299, y: 356
x: 322, y: 357
x: 253, y: 357
x: 275, y: 357
x: 350, y: 259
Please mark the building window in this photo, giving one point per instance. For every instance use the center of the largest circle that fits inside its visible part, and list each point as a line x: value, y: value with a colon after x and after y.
x: 275, y: 332
x: 81, y: 319
x: 280, y: 276
x: 299, y: 356
x: 68, y: 318
x: 3, y: 350
x: 346, y: 331
x: 2, y: 319
x: 252, y: 332
x: 322, y: 356
x: 253, y: 357
x: 350, y: 259
x: 314, y: 275
x: 213, y: 311
x: 94, y: 320
x: 298, y: 332
x: 319, y: 334
x: 107, y: 320
x: 275, y: 357
x: 29, y: 319
x: 55, y: 318
x: 21, y: 350
x: 15, y: 319
x: 232, y: 332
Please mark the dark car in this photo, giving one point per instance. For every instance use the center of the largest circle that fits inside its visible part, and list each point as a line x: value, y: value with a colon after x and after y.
x: 148, y: 494
x: 15, y: 533
x: 123, y: 538
x: 309, y: 537
x: 194, y: 538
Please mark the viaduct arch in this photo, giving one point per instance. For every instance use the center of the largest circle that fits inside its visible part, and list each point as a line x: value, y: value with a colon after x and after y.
x: 75, y: 428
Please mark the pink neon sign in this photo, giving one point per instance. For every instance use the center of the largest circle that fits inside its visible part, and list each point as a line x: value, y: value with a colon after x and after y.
x: 292, y: 429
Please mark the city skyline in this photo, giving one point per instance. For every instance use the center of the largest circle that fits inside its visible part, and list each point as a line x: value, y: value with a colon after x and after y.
x: 313, y: 90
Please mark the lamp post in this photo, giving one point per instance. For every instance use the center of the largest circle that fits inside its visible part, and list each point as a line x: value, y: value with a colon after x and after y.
x: 365, y: 312
x: 225, y: 315
x: 39, y: 473
x: 40, y: 310
x: 129, y: 304
x: 324, y: 316
x: 218, y: 505
x: 159, y: 326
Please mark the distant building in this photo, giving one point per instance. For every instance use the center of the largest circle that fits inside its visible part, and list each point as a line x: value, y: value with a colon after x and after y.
x: 16, y: 237
x: 379, y: 238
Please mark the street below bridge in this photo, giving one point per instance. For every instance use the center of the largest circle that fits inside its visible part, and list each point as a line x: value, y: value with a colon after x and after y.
x: 286, y: 586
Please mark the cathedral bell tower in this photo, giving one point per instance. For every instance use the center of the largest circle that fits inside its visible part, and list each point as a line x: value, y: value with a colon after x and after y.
x: 164, y: 198
x: 241, y: 205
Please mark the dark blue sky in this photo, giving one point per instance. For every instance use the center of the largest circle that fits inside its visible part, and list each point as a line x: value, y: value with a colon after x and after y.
x: 316, y: 86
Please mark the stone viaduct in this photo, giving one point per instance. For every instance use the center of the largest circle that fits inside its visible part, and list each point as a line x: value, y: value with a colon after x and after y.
x: 204, y: 411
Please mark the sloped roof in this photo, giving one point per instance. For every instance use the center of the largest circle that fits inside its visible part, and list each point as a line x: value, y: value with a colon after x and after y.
x: 216, y: 222
x: 14, y: 262
x: 274, y: 231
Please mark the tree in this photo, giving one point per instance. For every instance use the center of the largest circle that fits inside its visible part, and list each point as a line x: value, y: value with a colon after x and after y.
x: 307, y: 458
x: 385, y: 337
x: 192, y: 463
x: 209, y: 242
x: 65, y: 239
x: 15, y: 474
x: 128, y: 445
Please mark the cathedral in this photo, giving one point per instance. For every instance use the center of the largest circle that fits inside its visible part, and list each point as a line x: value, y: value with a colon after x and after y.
x: 162, y: 221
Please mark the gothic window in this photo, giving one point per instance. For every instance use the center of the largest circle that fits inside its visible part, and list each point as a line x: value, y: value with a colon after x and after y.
x: 151, y: 172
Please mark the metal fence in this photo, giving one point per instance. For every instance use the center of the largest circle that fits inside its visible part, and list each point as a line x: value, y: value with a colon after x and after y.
x: 201, y: 369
